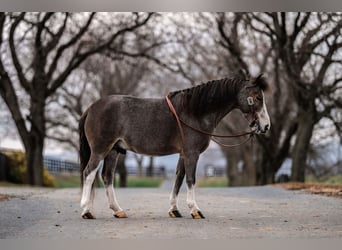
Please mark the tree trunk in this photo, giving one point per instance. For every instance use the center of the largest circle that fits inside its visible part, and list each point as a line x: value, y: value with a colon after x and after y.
x: 34, y: 144
x: 122, y: 171
x: 150, y: 167
x: 249, y: 169
x: 139, y: 160
x: 35, y: 165
x: 306, y: 124
x: 232, y: 168
x: 265, y: 172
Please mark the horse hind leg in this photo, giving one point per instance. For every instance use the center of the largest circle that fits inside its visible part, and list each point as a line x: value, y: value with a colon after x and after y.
x: 108, y: 170
x: 173, y: 211
x: 88, y: 188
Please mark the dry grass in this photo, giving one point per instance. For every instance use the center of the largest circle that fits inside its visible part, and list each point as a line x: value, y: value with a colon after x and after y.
x: 313, y: 188
x: 3, y: 197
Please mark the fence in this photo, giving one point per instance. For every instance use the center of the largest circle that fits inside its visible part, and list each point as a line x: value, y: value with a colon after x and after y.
x: 157, y: 171
x: 213, y: 171
x: 56, y: 166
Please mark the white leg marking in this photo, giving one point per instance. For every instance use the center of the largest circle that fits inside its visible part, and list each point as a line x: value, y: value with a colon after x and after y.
x: 191, y: 199
x: 173, y: 200
x: 87, y: 198
x: 113, y: 203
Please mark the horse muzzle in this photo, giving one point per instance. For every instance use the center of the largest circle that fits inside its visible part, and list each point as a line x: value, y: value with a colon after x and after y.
x: 259, y: 128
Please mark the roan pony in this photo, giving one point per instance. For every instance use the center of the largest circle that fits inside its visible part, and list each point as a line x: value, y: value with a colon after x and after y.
x: 156, y: 127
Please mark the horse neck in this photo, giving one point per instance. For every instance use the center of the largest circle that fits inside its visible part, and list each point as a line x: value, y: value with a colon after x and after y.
x: 229, y: 103
x: 219, y: 114
x: 211, y: 119
x: 216, y: 114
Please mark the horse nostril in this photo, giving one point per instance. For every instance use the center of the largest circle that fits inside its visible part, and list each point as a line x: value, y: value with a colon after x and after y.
x: 267, y: 127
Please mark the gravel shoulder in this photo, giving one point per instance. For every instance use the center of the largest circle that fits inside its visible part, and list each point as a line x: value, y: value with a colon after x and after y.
x: 231, y: 213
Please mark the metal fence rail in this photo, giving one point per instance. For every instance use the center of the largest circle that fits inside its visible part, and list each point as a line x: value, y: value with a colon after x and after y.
x: 56, y: 166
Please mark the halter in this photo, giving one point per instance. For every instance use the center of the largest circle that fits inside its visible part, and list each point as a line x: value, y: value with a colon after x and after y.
x: 250, y: 102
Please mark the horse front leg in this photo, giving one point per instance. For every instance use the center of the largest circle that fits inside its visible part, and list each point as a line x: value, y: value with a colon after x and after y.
x: 108, y: 170
x: 190, y: 171
x: 180, y: 172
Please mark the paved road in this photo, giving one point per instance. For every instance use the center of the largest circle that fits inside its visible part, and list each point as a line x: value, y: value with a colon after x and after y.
x: 239, y: 213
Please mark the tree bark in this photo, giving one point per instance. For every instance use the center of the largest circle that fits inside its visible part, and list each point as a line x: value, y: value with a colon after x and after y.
x: 232, y: 168
x: 265, y: 171
x: 306, y: 122
x: 34, y: 157
x: 121, y: 170
x: 149, y: 172
x: 249, y: 167
x: 139, y: 160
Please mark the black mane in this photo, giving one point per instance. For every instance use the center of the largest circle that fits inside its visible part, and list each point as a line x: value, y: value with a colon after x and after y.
x: 209, y: 96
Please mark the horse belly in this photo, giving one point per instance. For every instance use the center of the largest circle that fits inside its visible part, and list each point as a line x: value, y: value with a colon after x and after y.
x: 152, y: 140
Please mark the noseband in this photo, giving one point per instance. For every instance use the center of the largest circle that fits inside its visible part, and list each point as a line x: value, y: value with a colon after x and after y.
x: 180, y: 122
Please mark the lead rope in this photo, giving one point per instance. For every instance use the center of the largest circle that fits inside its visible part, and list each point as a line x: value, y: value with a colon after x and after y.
x: 174, y: 112
x: 180, y: 121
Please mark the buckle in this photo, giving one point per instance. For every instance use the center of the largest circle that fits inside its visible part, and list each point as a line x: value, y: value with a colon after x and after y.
x: 250, y: 101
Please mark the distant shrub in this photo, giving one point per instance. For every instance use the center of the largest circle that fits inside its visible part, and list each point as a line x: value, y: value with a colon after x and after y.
x: 48, y: 179
x: 17, y: 169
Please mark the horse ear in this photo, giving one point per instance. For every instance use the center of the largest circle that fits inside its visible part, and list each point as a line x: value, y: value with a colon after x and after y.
x: 261, y: 82
x: 260, y: 76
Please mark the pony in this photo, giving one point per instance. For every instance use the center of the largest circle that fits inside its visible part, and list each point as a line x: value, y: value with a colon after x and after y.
x: 156, y: 127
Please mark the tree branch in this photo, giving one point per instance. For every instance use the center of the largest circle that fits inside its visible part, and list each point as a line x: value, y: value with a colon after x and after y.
x: 22, y: 79
x: 231, y: 41
x: 299, y: 27
x: 65, y: 46
x: 56, y: 37
x: 80, y: 57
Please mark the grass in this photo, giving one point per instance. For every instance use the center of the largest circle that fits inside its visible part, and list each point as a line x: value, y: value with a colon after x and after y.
x: 11, y: 184
x: 222, y: 181
x: 213, y: 182
x: 67, y: 181
x: 144, y: 182
x: 331, y: 180
x: 71, y: 181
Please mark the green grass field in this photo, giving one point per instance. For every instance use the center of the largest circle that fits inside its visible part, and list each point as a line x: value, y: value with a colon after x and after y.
x: 65, y: 181
x: 68, y: 181
x: 223, y: 182
x: 332, y: 180
x: 213, y: 182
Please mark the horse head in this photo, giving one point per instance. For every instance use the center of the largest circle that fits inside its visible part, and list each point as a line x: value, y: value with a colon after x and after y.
x: 251, y: 101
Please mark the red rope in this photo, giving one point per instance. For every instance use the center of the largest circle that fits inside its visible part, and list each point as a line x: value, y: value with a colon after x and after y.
x: 179, y: 121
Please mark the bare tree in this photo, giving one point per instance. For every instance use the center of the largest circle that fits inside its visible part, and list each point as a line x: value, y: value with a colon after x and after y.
x: 249, y: 52
x: 308, y: 46
x: 58, y: 44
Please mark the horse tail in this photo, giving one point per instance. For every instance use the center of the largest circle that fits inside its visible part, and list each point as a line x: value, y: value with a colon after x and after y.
x: 84, y: 149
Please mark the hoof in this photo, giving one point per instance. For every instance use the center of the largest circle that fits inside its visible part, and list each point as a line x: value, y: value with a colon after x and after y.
x: 88, y: 215
x: 175, y: 214
x: 120, y: 214
x: 197, y: 215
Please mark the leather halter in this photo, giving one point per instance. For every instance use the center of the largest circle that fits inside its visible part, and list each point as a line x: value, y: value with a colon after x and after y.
x: 180, y: 122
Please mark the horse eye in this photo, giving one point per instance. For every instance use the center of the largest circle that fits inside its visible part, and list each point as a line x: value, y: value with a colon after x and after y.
x: 259, y: 98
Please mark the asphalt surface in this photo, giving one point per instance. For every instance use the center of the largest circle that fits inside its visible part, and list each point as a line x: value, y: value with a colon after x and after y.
x: 231, y: 213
